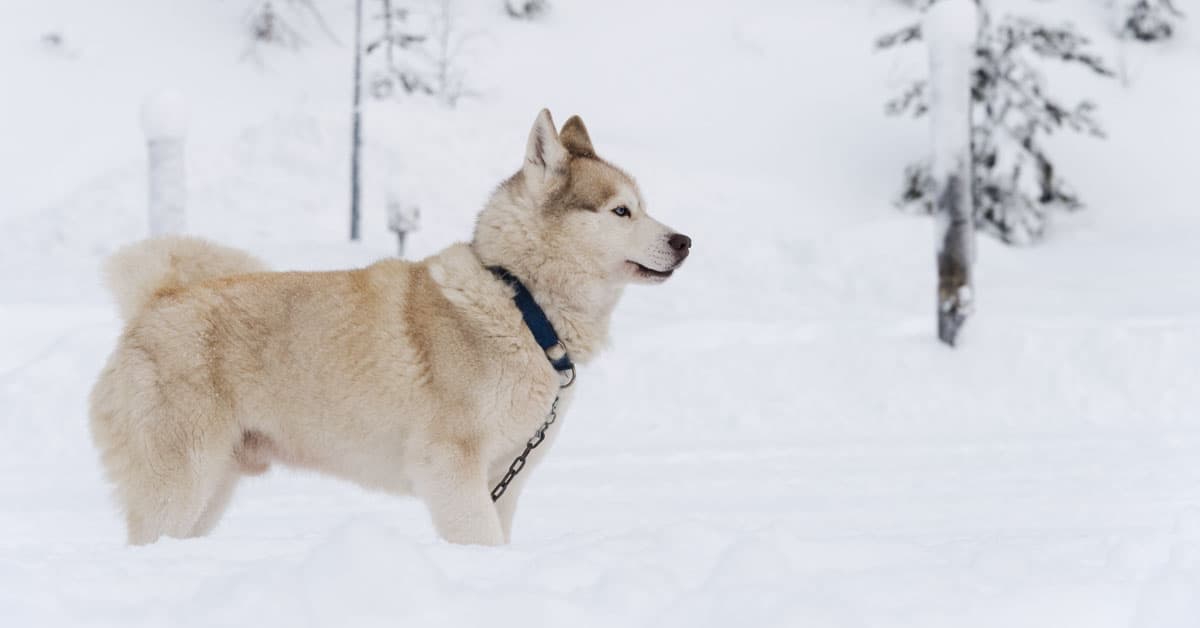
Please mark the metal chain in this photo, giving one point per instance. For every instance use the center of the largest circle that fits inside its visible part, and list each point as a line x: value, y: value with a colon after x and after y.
x: 531, y: 444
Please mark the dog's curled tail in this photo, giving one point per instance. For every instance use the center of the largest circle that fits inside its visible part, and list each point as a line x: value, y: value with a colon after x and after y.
x: 142, y: 270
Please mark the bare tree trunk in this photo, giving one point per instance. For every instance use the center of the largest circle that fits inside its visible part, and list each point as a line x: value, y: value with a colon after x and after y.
x: 444, y: 55
x: 388, y: 38
x: 356, y: 140
x: 164, y: 121
x: 954, y: 256
x: 951, y: 28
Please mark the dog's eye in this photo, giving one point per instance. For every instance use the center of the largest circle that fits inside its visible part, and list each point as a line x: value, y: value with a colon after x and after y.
x: 622, y: 211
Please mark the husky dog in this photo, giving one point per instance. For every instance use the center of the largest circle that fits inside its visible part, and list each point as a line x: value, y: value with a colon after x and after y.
x: 413, y: 378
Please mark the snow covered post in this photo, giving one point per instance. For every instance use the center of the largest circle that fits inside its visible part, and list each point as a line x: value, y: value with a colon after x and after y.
x: 950, y: 29
x: 164, y: 121
x: 402, y: 219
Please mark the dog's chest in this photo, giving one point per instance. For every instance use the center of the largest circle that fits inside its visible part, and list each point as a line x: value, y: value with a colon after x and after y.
x: 535, y: 422
x: 528, y: 404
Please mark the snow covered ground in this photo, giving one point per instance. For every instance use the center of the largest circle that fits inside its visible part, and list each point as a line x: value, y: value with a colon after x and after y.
x: 775, y: 438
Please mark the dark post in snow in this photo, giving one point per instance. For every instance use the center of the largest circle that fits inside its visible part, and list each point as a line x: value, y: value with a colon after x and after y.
x: 951, y: 28
x: 164, y: 121
x: 356, y: 139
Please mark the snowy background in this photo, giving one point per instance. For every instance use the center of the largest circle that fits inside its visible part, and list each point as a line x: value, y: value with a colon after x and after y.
x: 775, y: 438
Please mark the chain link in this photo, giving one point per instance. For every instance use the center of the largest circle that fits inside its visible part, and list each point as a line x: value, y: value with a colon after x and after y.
x: 532, y: 443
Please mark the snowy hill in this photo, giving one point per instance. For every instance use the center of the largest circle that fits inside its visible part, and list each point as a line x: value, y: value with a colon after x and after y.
x: 775, y: 438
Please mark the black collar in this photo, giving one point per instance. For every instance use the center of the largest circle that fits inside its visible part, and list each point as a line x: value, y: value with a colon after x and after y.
x: 536, y: 321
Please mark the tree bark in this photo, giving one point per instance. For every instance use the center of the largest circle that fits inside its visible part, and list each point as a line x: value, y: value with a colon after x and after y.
x: 954, y: 255
x: 356, y: 139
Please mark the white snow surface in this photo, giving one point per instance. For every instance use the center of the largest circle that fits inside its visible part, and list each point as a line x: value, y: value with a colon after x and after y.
x: 775, y: 437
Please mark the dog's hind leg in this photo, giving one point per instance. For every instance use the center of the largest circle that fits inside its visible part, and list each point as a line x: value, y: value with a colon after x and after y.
x: 217, y: 502
x: 251, y: 457
x: 168, y: 455
x: 186, y: 483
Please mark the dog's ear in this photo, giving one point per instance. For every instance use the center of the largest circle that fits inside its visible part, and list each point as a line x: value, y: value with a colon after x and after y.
x: 545, y: 155
x: 575, y: 137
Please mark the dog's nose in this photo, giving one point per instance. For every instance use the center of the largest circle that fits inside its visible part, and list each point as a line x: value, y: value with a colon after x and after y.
x: 680, y: 242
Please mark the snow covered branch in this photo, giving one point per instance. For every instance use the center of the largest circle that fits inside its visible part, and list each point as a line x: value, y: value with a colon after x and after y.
x: 525, y: 9
x: 267, y: 25
x: 1147, y: 20
x: 1015, y: 184
x: 421, y: 45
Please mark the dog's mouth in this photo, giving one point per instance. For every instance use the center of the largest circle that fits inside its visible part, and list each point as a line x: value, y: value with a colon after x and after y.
x: 649, y: 273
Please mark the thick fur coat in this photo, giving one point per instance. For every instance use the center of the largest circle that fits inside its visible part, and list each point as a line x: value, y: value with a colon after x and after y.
x: 412, y: 378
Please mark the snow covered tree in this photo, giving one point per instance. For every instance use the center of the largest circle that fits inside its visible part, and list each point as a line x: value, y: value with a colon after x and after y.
x: 525, y: 9
x: 950, y: 28
x: 282, y: 23
x: 399, y: 41
x: 267, y: 27
x: 449, y: 77
x: 1146, y: 20
x: 420, y: 46
x: 1015, y: 184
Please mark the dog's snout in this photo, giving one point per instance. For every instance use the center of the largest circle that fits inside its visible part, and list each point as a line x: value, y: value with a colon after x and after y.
x: 680, y: 243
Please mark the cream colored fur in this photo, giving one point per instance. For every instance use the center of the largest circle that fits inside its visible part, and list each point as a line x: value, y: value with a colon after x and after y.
x: 411, y: 378
x: 136, y: 273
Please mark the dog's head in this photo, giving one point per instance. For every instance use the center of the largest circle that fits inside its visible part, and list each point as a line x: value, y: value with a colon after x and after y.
x: 570, y: 213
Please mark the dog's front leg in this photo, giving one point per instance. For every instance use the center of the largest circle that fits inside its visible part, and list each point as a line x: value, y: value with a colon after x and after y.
x: 506, y: 506
x: 453, y: 484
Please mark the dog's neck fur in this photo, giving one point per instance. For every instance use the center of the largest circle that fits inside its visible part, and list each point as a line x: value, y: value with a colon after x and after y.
x: 578, y: 300
x: 580, y: 310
